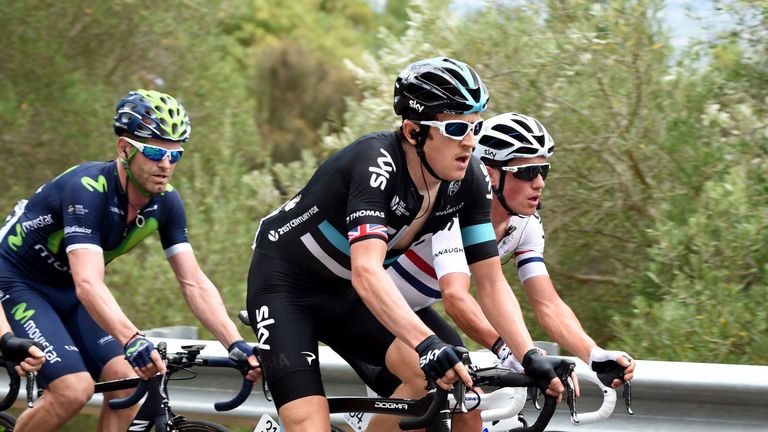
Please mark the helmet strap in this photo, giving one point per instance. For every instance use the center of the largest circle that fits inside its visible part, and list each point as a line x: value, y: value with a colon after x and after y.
x: 420, y: 142
x: 134, y: 182
x: 499, y: 192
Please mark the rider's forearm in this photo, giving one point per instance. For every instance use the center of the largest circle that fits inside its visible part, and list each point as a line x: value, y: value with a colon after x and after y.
x: 104, y: 309
x: 207, y: 305
x: 466, y: 313
x: 561, y: 324
x: 384, y: 300
x: 503, y: 311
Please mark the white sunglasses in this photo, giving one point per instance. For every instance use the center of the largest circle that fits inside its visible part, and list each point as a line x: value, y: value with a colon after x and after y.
x: 454, y: 129
x: 155, y: 153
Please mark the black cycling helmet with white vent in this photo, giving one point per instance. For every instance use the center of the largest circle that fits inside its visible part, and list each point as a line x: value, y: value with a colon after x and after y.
x: 435, y: 86
x: 510, y: 136
x: 439, y: 85
x: 152, y: 114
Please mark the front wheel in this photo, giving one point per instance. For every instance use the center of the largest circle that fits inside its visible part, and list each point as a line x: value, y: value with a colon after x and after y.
x: 200, y: 426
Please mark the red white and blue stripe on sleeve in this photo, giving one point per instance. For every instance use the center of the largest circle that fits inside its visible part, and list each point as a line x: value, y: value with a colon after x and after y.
x: 530, y: 263
x: 367, y: 230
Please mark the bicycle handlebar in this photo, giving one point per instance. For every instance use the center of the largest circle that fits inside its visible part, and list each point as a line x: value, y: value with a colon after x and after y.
x: 605, y: 410
x: 245, y: 390
x: 550, y: 402
x: 133, y: 398
x: 15, y: 383
x: 440, y: 397
x: 189, y: 357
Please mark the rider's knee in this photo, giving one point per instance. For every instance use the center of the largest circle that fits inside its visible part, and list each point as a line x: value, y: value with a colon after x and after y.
x: 71, y: 392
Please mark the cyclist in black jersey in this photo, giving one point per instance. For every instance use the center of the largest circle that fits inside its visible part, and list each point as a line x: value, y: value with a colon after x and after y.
x: 515, y: 149
x: 30, y: 357
x: 54, y: 248
x: 318, y: 269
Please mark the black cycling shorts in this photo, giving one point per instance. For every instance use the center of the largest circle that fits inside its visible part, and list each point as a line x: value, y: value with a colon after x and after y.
x: 291, y: 312
x: 384, y: 382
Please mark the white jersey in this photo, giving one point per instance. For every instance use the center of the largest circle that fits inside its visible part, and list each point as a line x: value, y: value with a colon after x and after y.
x: 416, y: 273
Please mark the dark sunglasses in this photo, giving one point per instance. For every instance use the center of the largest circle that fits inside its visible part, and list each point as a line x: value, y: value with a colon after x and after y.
x: 528, y: 172
x: 454, y: 129
x: 155, y: 153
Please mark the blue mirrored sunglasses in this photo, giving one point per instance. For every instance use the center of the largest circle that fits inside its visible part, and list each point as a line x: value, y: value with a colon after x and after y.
x: 155, y: 153
x: 454, y: 129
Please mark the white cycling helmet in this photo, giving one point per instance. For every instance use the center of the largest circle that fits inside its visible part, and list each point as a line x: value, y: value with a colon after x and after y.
x: 511, y: 135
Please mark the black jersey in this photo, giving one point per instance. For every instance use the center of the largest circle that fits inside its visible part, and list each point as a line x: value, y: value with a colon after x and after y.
x: 365, y: 191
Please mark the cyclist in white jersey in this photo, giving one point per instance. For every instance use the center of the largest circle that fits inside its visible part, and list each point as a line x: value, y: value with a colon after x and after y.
x: 435, y: 268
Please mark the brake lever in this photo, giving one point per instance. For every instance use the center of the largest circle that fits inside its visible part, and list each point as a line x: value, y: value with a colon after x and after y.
x: 628, y: 397
x: 533, y: 394
x: 571, y: 399
x: 30, y: 389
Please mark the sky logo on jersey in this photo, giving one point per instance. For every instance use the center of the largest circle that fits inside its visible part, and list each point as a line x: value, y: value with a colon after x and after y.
x: 367, y: 229
x: 381, y: 172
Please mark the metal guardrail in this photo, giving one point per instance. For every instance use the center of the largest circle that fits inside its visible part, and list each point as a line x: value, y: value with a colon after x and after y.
x: 666, y: 396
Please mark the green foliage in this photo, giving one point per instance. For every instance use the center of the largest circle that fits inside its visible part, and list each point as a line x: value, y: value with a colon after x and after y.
x: 652, y: 208
x: 709, y: 275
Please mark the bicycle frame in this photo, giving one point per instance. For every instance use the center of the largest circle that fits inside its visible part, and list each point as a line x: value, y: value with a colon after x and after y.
x: 155, y: 412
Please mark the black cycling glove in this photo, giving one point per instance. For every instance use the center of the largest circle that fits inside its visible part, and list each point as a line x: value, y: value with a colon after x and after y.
x: 606, y: 367
x: 16, y: 349
x: 540, y: 367
x: 436, y: 357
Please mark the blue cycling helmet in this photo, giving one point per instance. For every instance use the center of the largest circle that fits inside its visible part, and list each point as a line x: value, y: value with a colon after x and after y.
x: 439, y: 85
x: 152, y: 114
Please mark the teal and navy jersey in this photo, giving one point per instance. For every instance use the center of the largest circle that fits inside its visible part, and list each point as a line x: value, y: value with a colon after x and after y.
x: 84, y: 207
x: 364, y: 191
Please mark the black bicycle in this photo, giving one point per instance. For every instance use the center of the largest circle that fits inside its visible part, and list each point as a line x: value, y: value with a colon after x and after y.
x: 156, y: 411
x: 434, y: 411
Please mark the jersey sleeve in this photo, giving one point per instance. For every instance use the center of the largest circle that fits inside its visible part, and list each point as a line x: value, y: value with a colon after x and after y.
x: 83, y: 202
x: 173, y: 225
x: 370, y: 178
x: 477, y: 232
x: 529, y: 254
x: 448, y: 250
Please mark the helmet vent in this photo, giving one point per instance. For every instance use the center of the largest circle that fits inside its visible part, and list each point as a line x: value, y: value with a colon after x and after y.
x: 509, y: 131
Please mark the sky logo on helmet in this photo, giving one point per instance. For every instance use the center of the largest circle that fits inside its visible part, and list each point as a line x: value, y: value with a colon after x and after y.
x: 490, y: 153
x: 415, y: 105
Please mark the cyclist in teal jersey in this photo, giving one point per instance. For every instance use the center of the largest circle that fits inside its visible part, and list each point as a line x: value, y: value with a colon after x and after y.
x: 318, y: 269
x: 55, y: 245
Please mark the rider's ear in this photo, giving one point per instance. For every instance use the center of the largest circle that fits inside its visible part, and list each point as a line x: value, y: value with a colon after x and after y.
x: 411, y: 132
